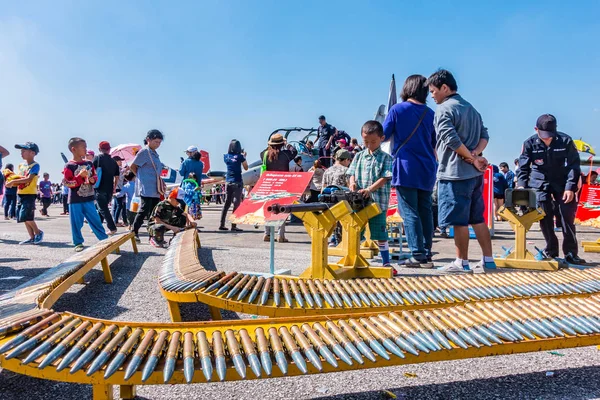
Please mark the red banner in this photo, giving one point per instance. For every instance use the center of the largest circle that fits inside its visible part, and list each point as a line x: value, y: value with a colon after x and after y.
x: 272, y: 187
x: 393, y: 214
x: 588, y: 207
x: 488, y: 198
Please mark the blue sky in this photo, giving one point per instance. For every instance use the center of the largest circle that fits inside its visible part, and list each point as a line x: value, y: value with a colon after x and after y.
x: 207, y: 72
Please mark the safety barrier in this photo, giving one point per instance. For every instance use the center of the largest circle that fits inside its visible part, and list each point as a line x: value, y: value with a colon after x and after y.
x: 183, y: 279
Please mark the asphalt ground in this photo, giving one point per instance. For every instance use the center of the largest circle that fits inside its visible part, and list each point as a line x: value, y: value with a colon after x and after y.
x: 134, y: 296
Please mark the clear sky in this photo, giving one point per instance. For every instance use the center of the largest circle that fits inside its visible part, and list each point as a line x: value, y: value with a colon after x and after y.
x: 206, y: 72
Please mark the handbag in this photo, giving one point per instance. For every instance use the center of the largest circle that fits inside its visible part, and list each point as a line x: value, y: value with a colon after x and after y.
x: 161, y: 186
x: 412, y: 133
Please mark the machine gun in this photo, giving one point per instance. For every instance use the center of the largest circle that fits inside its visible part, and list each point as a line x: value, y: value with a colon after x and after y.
x: 520, y: 201
x: 330, y: 196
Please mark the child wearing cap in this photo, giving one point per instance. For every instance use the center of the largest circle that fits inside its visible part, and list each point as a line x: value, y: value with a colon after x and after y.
x: 27, y: 191
x: 168, y: 216
x: 80, y: 177
x: 371, y: 173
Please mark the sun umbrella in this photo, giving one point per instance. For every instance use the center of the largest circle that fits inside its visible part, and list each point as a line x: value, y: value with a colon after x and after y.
x: 584, y: 147
x: 126, y: 151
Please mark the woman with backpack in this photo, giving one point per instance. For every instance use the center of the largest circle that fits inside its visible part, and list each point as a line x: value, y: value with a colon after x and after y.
x: 277, y: 157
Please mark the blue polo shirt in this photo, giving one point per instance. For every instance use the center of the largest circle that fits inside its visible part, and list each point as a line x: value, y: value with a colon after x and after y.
x: 414, y: 165
x: 234, y: 167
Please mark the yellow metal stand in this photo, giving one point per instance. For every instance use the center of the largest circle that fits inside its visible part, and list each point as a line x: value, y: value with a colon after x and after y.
x: 522, y: 258
x: 591, y: 247
x: 368, y: 244
x: 320, y: 225
x: 352, y: 225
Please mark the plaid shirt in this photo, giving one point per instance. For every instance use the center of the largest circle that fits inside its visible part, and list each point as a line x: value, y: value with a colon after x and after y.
x: 368, y: 168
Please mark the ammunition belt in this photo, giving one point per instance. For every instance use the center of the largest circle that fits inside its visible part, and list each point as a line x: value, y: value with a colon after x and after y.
x: 68, y: 347
x: 183, y: 279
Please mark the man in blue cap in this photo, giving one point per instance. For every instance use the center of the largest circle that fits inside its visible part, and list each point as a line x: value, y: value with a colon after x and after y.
x: 549, y: 163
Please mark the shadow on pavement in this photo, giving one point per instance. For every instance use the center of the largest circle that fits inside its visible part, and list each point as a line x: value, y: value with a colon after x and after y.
x: 101, y: 299
x: 572, y: 383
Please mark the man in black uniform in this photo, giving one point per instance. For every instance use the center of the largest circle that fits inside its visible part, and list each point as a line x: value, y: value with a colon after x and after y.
x: 549, y: 163
x: 325, y: 138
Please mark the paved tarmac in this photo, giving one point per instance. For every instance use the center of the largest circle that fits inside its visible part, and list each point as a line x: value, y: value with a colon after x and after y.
x: 134, y: 296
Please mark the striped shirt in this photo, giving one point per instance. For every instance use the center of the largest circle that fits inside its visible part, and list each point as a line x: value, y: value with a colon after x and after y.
x: 367, y: 168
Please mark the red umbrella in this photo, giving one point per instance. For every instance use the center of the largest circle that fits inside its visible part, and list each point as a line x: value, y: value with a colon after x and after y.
x: 126, y: 151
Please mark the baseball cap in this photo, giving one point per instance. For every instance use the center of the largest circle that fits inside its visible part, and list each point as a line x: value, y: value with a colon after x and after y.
x: 342, y: 154
x: 191, y: 149
x: 322, y: 117
x: 104, y: 145
x: 90, y: 153
x: 28, y: 146
x: 546, y: 125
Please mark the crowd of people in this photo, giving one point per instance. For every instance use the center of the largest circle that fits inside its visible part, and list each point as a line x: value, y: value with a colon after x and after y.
x: 436, y: 167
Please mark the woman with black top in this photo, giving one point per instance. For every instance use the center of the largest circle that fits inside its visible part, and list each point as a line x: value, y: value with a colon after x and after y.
x: 277, y: 157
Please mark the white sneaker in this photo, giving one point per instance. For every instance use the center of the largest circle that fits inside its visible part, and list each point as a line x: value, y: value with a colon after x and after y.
x: 483, y: 267
x: 452, y: 268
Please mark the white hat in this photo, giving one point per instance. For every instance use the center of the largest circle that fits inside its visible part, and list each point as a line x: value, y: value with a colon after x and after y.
x: 191, y: 149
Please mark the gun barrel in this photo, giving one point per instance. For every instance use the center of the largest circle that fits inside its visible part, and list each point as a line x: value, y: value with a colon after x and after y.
x: 277, y: 208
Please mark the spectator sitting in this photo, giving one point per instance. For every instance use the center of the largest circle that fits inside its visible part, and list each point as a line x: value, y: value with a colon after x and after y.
x: 168, y: 216
x: 336, y: 176
x: 354, y: 146
x: 298, y: 166
x: 316, y: 181
x: 593, y: 179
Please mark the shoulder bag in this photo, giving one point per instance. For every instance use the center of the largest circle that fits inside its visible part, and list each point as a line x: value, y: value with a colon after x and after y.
x: 161, y: 186
x: 413, y: 132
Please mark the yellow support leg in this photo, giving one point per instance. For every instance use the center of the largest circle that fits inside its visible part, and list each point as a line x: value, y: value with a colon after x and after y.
x: 127, y: 392
x: 134, y: 245
x: 215, y: 313
x: 102, y: 392
x: 521, y: 258
x: 591, y: 247
x: 117, y: 251
x: 369, y: 244
x: 320, y: 225
x: 352, y: 226
x: 106, y: 269
x: 81, y: 281
x: 174, y: 311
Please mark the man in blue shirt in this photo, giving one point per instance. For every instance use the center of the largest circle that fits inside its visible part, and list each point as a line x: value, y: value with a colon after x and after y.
x: 508, y: 175
x: 192, y: 164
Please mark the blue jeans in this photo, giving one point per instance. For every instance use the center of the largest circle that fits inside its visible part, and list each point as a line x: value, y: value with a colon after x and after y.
x: 416, y: 210
x: 10, y: 205
x: 87, y: 210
